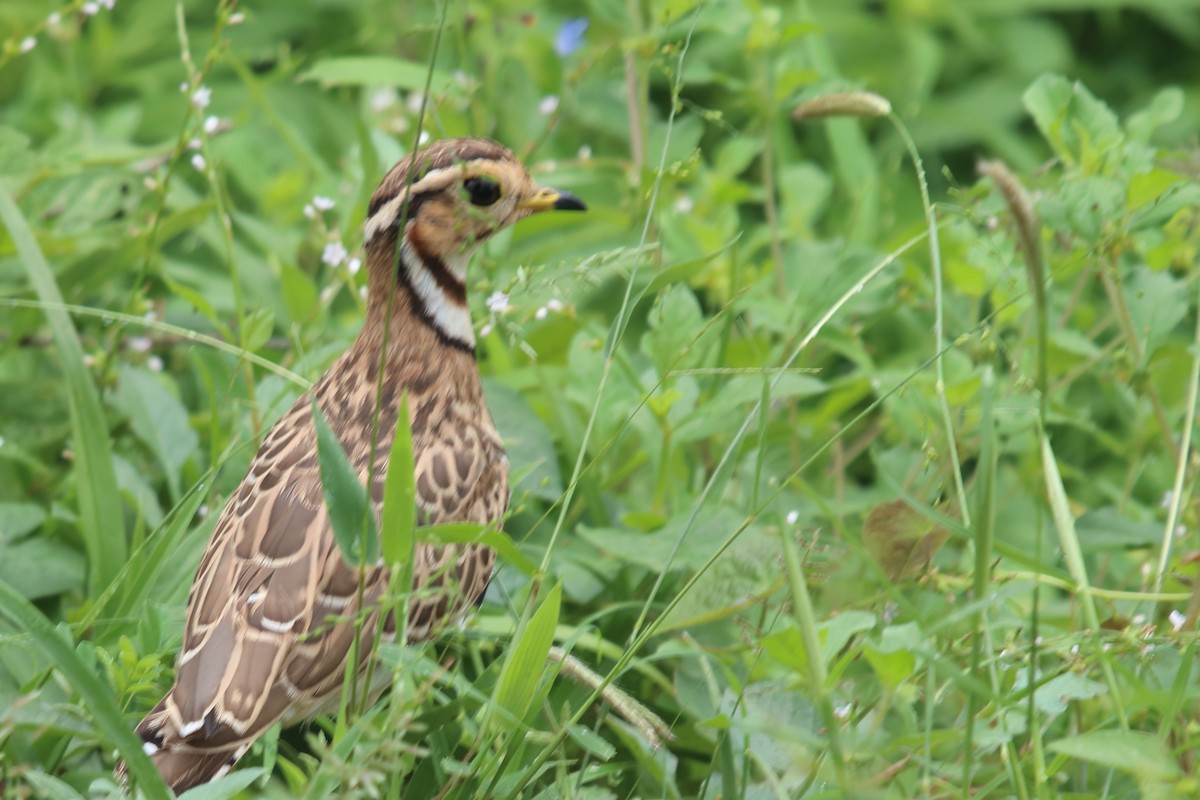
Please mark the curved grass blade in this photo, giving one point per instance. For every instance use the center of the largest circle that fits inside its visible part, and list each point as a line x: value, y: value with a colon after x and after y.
x: 101, y: 517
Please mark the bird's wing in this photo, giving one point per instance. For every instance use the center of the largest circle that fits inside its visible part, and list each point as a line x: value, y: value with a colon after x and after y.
x: 270, y: 616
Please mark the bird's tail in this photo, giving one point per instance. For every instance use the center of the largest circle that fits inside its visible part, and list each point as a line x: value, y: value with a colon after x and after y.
x: 181, y: 765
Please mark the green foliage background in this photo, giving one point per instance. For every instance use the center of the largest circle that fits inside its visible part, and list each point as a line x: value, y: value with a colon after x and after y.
x: 854, y: 519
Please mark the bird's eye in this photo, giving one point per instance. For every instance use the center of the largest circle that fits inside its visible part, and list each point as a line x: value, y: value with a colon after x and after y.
x: 482, y: 191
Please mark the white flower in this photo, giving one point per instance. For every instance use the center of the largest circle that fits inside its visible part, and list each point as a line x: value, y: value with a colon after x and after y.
x: 237, y: 19
x: 140, y: 344
x: 548, y: 105
x: 183, y: 86
x: 194, y: 144
x: 309, y: 211
x: 1167, y: 499
x: 684, y: 205
x: 793, y: 516
x: 322, y: 203
x: 28, y: 43
x: 354, y: 265
x: 414, y: 101
x: 1, y: 441
x: 202, y: 511
x: 554, y: 304
x: 1177, y: 619
x: 211, y: 124
x: 423, y: 138
x: 843, y: 711
x: 154, y: 364
x: 198, y: 162
x: 585, y: 152
x: 54, y: 19
x: 486, y: 330
x: 334, y: 254
x: 497, y: 303
x: 201, y: 97
x: 541, y: 313
x: 362, y: 292
x: 89, y: 9
x: 383, y: 100
x: 108, y: 4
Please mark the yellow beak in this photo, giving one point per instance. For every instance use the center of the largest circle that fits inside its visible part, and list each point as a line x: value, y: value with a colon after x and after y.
x: 547, y: 199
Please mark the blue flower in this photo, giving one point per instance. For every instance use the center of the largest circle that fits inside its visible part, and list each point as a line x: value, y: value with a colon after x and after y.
x: 570, y: 36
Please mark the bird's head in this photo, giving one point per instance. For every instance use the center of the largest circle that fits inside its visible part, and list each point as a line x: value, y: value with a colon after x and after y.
x: 454, y: 194
x: 437, y: 206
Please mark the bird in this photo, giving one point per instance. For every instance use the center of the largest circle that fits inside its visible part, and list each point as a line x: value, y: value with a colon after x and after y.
x: 270, y: 614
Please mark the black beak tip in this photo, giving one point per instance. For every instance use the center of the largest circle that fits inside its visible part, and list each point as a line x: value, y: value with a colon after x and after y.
x: 569, y: 202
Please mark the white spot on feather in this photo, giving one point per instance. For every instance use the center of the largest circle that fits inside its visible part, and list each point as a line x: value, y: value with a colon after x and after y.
x: 277, y: 627
x: 189, y: 728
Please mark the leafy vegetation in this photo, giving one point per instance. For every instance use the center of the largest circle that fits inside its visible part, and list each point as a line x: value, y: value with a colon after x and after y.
x: 862, y: 496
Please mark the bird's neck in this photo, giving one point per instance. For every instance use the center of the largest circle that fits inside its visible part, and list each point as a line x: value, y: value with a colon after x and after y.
x: 420, y: 285
x: 418, y: 327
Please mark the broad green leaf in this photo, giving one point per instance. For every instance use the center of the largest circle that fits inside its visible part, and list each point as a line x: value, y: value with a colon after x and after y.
x: 376, y: 71
x: 1053, y: 696
x: 96, y: 480
x: 41, y: 566
x: 1080, y: 128
x: 399, y: 495
x: 1134, y: 752
x: 158, y: 418
x: 18, y: 519
x: 96, y: 695
x: 526, y: 661
x: 352, y: 520
x: 893, y: 668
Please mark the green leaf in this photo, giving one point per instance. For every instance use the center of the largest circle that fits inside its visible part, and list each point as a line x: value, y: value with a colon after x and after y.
x: 96, y: 696
x: 1080, y: 128
x: 51, y: 788
x: 376, y: 71
x: 18, y: 519
x: 352, y: 520
x: 1141, y: 754
x: 474, y: 533
x: 526, y: 661
x: 399, y: 495
x: 1164, y: 108
x: 1053, y: 696
x: 96, y: 480
x: 157, y: 418
x: 41, y: 567
x: 223, y: 788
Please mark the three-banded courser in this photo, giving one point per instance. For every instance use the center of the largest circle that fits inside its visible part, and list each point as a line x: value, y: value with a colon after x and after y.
x: 270, y: 614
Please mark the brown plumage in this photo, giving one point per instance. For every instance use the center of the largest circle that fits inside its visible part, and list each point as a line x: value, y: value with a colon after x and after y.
x: 269, y: 616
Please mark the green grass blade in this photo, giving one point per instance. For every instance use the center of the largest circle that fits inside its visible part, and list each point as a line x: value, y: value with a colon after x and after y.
x: 527, y: 660
x: 352, y: 521
x: 1064, y: 523
x: 400, y: 495
x: 97, y: 696
x: 101, y: 518
x: 474, y: 533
